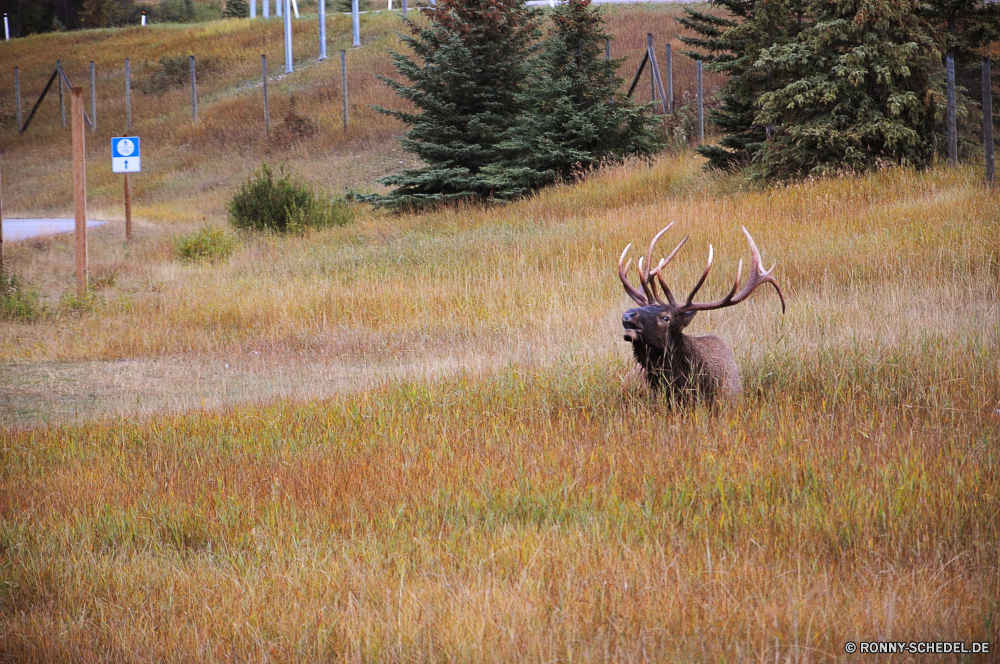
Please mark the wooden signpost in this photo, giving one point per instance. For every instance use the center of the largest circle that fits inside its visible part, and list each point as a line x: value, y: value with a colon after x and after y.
x: 126, y: 156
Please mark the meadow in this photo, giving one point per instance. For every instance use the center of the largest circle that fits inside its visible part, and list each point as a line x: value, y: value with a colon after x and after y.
x: 406, y: 439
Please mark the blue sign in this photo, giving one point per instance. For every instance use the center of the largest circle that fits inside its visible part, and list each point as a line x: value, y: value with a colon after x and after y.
x: 125, y: 157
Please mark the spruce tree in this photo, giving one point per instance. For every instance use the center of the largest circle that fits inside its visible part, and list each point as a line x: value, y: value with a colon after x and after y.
x: 862, y: 87
x: 467, y: 88
x: 967, y: 27
x: 730, y: 44
x: 577, y: 113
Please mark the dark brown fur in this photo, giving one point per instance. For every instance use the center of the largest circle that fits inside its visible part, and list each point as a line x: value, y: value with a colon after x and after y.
x: 685, y: 367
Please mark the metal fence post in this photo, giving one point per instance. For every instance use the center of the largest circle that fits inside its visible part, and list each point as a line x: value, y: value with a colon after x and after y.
x: 701, y: 108
x: 356, y: 23
x: 62, y: 97
x: 17, y: 96
x: 652, y: 69
x: 194, y: 92
x: 949, y: 69
x: 670, y: 79
x: 289, y: 68
x: 322, y: 29
x: 343, y: 84
x: 607, y: 49
x: 404, y: 8
x: 128, y: 94
x: 267, y: 102
x: 93, y: 98
x: 988, y: 121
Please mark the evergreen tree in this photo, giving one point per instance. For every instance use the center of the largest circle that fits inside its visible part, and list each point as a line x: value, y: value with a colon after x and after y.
x: 468, y: 92
x: 967, y: 27
x: 730, y: 45
x: 578, y: 115
x: 863, y: 87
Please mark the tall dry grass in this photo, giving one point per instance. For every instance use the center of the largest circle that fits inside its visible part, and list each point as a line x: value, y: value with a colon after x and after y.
x: 519, y: 506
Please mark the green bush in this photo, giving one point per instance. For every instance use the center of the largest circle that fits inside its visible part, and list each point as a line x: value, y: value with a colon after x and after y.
x: 283, y: 203
x: 18, y: 300
x: 210, y: 243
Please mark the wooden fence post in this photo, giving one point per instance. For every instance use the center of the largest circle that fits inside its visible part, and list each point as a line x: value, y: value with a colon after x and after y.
x: 128, y: 210
x: 79, y: 189
x: 701, y: 108
x: 267, y: 101
x: 128, y: 94
x: 988, y: 121
x: 949, y: 69
x: 343, y: 83
x: 194, y: 91
x: 17, y: 96
x: 93, y: 98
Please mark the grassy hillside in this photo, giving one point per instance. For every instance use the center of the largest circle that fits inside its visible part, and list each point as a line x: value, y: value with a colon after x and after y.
x: 189, y: 171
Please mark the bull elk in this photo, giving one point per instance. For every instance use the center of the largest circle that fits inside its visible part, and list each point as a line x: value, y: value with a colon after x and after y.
x: 686, y: 367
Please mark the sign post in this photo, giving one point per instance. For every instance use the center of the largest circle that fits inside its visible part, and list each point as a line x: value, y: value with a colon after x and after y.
x: 126, y: 158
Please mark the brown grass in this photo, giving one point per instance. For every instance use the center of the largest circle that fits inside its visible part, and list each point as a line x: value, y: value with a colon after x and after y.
x: 523, y: 508
x: 406, y: 440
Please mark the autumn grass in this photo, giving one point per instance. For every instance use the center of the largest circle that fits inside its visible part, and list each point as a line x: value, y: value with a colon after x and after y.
x: 517, y: 505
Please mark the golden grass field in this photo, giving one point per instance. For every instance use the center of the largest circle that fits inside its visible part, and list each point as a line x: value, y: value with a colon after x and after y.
x: 406, y: 439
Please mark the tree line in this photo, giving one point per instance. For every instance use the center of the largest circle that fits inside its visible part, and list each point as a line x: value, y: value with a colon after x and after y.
x: 814, y: 87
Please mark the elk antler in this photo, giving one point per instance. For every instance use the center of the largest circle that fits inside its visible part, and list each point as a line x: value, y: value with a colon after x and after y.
x: 758, y: 276
x: 648, y: 294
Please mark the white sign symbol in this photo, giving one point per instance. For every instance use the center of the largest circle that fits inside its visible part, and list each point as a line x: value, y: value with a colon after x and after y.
x: 125, y: 153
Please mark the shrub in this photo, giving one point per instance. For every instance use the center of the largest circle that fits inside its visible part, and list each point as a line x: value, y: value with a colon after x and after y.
x: 236, y: 9
x: 210, y: 243
x: 283, y: 203
x: 18, y: 300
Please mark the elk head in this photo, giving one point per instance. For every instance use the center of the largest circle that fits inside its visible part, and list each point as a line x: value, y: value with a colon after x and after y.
x: 655, y: 327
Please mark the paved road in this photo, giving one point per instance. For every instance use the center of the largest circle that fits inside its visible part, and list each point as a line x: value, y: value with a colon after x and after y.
x: 22, y: 229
